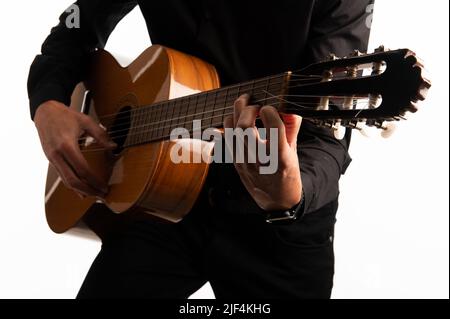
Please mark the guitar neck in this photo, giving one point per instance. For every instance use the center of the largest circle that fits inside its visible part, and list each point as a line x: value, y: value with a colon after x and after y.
x: 210, y: 108
x: 335, y: 93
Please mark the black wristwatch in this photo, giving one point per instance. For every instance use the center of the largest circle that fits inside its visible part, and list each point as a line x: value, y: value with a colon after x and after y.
x: 288, y: 216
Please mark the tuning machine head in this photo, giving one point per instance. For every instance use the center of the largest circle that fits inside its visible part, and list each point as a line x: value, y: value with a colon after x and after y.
x: 387, y: 128
x: 339, y: 130
x: 356, y: 53
x: 380, y: 49
x: 332, y: 57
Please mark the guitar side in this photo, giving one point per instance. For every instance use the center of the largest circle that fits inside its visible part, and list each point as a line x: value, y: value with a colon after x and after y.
x: 142, y: 179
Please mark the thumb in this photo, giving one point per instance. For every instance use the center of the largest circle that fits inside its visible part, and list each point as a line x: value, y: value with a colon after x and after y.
x: 98, y: 133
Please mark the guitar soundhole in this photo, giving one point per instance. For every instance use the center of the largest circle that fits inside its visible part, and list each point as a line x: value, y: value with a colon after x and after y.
x: 120, y: 128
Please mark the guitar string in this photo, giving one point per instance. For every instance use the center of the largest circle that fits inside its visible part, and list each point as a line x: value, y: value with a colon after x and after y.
x: 226, y: 89
x: 125, y: 124
x: 214, y: 111
x: 181, y: 107
x: 202, y: 127
x: 162, y: 138
x: 215, y: 91
x: 202, y: 113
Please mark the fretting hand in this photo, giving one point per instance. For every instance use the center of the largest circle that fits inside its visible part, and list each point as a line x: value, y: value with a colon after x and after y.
x: 281, y: 190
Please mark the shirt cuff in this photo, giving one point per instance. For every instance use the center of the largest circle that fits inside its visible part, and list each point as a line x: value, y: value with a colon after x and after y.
x: 46, y: 93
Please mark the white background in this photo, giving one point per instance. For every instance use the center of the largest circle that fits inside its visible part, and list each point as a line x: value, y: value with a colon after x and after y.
x: 392, y: 233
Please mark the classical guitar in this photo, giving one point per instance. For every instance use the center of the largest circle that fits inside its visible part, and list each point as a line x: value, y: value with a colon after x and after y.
x: 163, y: 89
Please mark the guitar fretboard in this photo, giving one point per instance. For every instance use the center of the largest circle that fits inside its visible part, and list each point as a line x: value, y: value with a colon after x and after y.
x: 157, y: 121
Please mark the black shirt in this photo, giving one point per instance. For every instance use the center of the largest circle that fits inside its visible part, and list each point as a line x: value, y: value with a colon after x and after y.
x: 244, y: 39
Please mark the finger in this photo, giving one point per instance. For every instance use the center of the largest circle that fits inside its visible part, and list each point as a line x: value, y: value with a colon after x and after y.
x: 96, y: 131
x: 228, y: 122
x: 236, y: 144
x: 247, y: 117
x: 271, y: 119
x: 239, y: 104
x: 70, y: 179
x: 80, y: 166
x: 61, y: 176
x: 292, y: 123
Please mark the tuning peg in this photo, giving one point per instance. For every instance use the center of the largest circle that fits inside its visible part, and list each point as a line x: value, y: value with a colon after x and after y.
x: 332, y: 57
x: 413, y: 107
x: 423, y: 89
x: 381, y: 48
x: 339, y: 131
x: 360, y: 126
x: 356, y: 53
x: 388, y: 129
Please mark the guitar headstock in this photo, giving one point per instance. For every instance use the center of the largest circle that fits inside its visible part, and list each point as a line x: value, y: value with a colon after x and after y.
x: 358, y: 90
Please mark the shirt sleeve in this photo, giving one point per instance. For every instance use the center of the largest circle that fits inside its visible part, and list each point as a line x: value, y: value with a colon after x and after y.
x: 56, y: 71
x: 339, y: 27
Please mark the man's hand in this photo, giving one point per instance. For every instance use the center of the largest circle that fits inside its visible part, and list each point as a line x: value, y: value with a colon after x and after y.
x: 282, y: 190
x: 59, y: 129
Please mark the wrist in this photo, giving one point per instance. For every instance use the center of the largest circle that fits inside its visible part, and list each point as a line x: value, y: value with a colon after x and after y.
x: 287, y: 216
x: 47, y: 105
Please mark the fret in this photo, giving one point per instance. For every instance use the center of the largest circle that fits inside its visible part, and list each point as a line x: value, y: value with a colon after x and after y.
x: 157, y: 119
x: 138, y: 128
x: 131, y: 137
x: 176, y: 115
x: 134, y: 126
x: 165, y: 124
x: 218, y: 105
x: 246, y: 88
x: 151, y: 126
x: 197, y: 111
x: 186, y: 123
x: 275, y: 90
x: 148, y: 125
x: 168, y: 118
x: 143, y: 128
x: 183, y: 106
x: 209, y: 108
x: 180, y: 117
x: 211, y: 120
x: 225, y: 107
x: 152, y: 112
x: 196, y: 115
x: 185, y: 115
x: 202, y: 110
x: 260, y: 91
x: 190, y: 113
x: 171, y: 104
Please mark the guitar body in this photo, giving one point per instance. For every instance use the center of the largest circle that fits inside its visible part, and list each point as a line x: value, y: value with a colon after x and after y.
x: 142, y: 179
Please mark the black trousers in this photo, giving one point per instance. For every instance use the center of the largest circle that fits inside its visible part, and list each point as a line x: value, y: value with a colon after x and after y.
x: 239, y: 254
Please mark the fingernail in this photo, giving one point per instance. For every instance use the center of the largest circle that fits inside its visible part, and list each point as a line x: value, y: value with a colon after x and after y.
x: 112, y: 145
